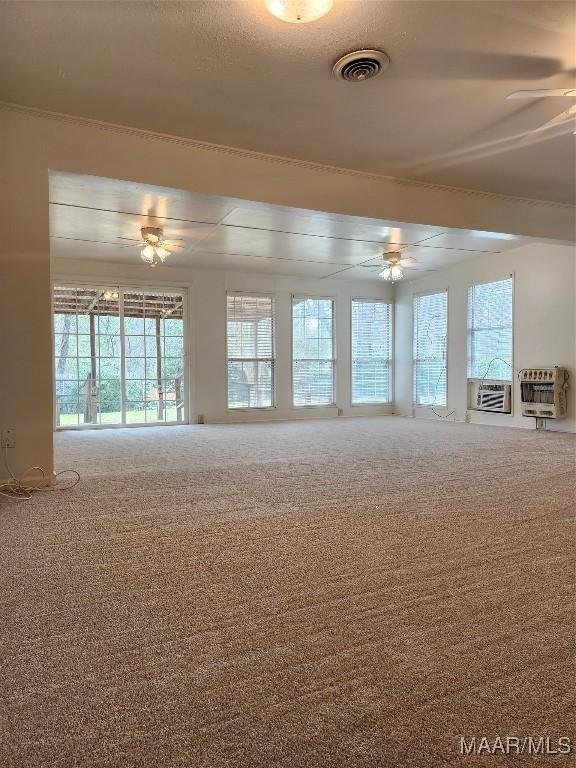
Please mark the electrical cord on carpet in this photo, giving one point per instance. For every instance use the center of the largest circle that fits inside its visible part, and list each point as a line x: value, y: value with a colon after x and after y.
x: 444, y: 372
x: 17, y: 489
x: 482, y: 380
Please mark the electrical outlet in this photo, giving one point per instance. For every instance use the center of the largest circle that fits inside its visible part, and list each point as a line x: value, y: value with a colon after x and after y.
x: 340, y: 411
x: 8, y: 438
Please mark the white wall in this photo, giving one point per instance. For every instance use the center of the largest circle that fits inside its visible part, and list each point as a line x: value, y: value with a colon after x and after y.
x: 544, y: 326
x: 207, y: 330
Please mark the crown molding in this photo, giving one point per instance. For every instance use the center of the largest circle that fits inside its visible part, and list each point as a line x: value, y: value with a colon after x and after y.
x: 275, y: 159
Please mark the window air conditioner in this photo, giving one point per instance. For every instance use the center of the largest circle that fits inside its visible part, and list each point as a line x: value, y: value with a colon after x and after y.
x: 492, y: 396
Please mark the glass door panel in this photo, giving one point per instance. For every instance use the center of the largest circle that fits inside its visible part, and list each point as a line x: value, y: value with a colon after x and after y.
x: 105, y: 328
x: 119, y: 356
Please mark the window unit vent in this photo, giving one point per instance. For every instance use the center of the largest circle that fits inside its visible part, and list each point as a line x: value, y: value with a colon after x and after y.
x: 492, y: 396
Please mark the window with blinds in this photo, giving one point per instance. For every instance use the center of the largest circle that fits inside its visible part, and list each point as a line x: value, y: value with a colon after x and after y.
x: 430, y: 340
x: 490, y: 330
x: 250, y: 345
x: 313, y: 361
x: 371, y: 351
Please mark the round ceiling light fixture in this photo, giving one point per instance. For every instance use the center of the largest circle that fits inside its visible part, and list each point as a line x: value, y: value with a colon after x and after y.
x: 358, y: 66
x: 154, y: 249
x: 392, y: 273
x: 393, y: 262
x: 299, y: 11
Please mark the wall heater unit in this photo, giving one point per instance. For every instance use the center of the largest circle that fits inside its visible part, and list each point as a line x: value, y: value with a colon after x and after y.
x: 492, y: 396
x: 543, y: 392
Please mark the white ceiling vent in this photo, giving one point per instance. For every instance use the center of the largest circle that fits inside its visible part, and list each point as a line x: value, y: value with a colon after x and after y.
x: 361, y: 65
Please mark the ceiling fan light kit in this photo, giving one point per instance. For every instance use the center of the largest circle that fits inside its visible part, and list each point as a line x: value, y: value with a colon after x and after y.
x: 393, y: 263
x: 154, y: 251
x: 392, y: 273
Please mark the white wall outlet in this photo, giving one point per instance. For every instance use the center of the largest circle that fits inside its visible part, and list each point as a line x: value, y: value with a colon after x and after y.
x: 340, y: 411
x: 8, y: 438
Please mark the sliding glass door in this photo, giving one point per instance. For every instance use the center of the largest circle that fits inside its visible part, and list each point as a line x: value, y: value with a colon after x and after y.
x: 118, y: 356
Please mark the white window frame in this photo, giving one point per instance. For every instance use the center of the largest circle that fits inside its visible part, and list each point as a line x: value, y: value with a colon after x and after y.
x: 251, y: 408
x: 125, y: 286
x: 507, y: 276
x: 375, y: 300
x: 299, y: 297
x: 414, y: 297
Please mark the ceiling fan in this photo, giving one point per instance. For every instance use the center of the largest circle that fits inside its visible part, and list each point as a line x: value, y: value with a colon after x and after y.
x: 392, y: 265
x: 544, y: 93
x: 154, y: 248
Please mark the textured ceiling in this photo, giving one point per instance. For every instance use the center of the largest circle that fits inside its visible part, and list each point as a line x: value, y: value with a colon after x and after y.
x: 100, y: 219
x: 230, y: 73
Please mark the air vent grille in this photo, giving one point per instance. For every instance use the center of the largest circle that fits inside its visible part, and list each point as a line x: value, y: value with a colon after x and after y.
x: 360, y: 70
x: 358, y: 66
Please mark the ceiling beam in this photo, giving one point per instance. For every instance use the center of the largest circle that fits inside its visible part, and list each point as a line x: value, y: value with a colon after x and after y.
x: 89, y: 147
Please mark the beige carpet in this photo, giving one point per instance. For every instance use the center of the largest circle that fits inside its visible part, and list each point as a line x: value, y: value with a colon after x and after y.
x: 355, y: 592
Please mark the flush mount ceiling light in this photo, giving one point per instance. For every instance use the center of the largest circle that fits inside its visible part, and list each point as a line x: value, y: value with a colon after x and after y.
x: 299, y: 11
x: 357, y: 66
x: 154, y: 251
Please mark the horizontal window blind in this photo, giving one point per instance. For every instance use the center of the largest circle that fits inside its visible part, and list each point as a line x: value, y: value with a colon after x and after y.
x: 313, y: 360
x: 430, y: 340
x: 490, y: 330
x: 250, y: 344
x: 371, y: 351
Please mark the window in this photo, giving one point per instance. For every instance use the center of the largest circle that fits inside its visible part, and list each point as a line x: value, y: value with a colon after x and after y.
x: 119, y: 356
x: 430, y: 337
x: 371, y: 351
x: 250, y: 339
x: 313, y: 360
x: 490, y: 330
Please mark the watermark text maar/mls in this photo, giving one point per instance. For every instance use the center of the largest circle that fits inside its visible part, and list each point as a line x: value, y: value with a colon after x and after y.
x: 515, y: 745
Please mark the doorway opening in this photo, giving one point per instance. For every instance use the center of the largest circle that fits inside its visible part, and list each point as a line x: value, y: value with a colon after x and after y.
x: 119, y: 356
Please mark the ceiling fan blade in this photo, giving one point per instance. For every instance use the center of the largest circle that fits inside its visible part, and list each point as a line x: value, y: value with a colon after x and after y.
x: 407, y: 261
x: 542, y: 93
x: 131, y: 239
x: 568, y: 116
